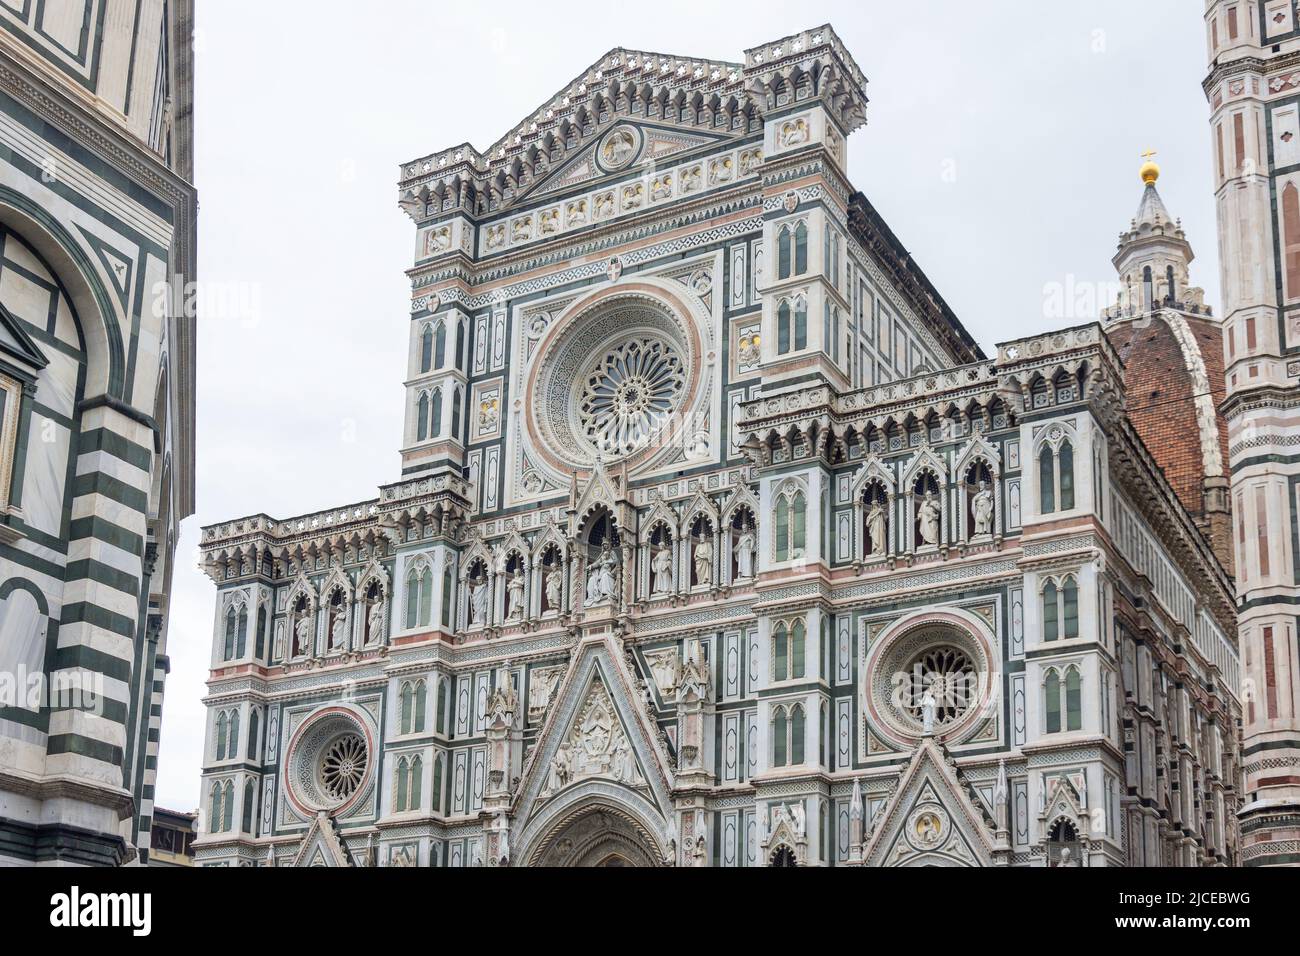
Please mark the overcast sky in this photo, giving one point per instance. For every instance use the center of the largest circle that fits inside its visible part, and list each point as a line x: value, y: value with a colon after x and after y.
x: 1001, y: 147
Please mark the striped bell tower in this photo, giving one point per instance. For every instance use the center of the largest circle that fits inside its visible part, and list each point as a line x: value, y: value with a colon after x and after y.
x: 1254, y: 92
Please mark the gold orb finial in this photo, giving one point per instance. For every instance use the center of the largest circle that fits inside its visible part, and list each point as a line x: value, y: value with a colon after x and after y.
x: 1149, y: 172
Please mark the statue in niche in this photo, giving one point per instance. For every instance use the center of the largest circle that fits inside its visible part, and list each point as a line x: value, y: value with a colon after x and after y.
x: 515, y: 596
x: 704, y: 560
x: 302, y: 635
x: 375, y: 620
x: 746, y: 549
x: 338, y: 630
x: 981, y: 506
x: 664, y: 667
x: 927, y: 518
x: 877, y: 541
x: 554, y: 587
x: 662, y: 566
x: 600, y: 577
x: 478, y: 602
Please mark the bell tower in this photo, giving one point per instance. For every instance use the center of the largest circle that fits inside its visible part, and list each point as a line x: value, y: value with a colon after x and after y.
x: 1254, y: 97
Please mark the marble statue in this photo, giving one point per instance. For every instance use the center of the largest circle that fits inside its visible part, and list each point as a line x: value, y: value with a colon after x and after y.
x: 877, y: 542
x: 928, y: 704
x: 982, y: 509
x: 515, y: 596
x: 554, y: 588
x: 375, y: 621
x: 600, y: 577
x: 746, y: 547
x: 302, y: 636
x: 478, y: 602
x: 927, y: 516
x: 662, y: 566
x: 338, y: 631
x: 704, y: 560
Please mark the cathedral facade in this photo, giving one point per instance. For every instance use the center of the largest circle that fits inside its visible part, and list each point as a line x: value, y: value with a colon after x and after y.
x: 718, y: 541
x: 97, y: 223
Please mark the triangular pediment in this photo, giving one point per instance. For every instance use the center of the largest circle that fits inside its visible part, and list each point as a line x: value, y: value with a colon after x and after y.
x: 16, y: 343
x: 625, y: 148
x: 321, y: 845
x: 931, y: 819
x: 596, y: 730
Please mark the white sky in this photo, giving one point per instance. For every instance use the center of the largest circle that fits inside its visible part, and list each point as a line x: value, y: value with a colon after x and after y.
x: 1001, y: 147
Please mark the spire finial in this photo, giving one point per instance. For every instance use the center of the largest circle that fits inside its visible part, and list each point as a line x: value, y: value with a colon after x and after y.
x: 1149, y: 172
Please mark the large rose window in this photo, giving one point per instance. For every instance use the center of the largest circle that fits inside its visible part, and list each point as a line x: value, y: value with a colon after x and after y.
x: 941, y: 660
x: 630, y: 394
x: 617, y: 381
x: 330, y: 763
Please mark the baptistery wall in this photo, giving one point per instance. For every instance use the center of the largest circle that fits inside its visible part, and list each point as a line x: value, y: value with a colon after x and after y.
x: 717, y: 540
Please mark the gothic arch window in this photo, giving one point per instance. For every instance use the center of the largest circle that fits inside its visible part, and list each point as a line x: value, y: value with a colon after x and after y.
x: 1056, y: 476
x: 1061, y: 609
x: 790, y: 526
x: 444, y: 700
x: 800, y: 249
x: 460, y: 344
x: 800, y: 323
x: 400, y: 785
x: 456, y: 400
x: 1062, y: 700
x: 254, y: 730
x: 232, y: 741
x: 435, y: 413
x: 422, y: 417
x: 783, y: 317
x: 412, y: 705
x: 261, y: 632
x: 228, y: 807
x: 223, y: 733
x: 437, y: 783
x: 784, y: 252
x: 419, y: 595
x: 1148, y: 294
x: 789, y: 650
x: 780, y: 737
x: 228, y: 648
x: 426, y: 348
x: 246, y: 822
x: 214, y: 807
x: 448, y: 593
x: 440, y: 345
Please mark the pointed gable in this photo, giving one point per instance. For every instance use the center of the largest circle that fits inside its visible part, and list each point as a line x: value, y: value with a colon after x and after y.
x: 931, y: 818
x: 596, y: 729
x: 321, y: 845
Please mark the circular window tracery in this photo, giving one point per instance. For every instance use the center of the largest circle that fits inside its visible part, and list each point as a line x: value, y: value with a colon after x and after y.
x: 343, y: 766
x: 630, y: 394
x: 617, y: 380
x: 940, y: 658
x: 329, y: 765
x: 948, y: 675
